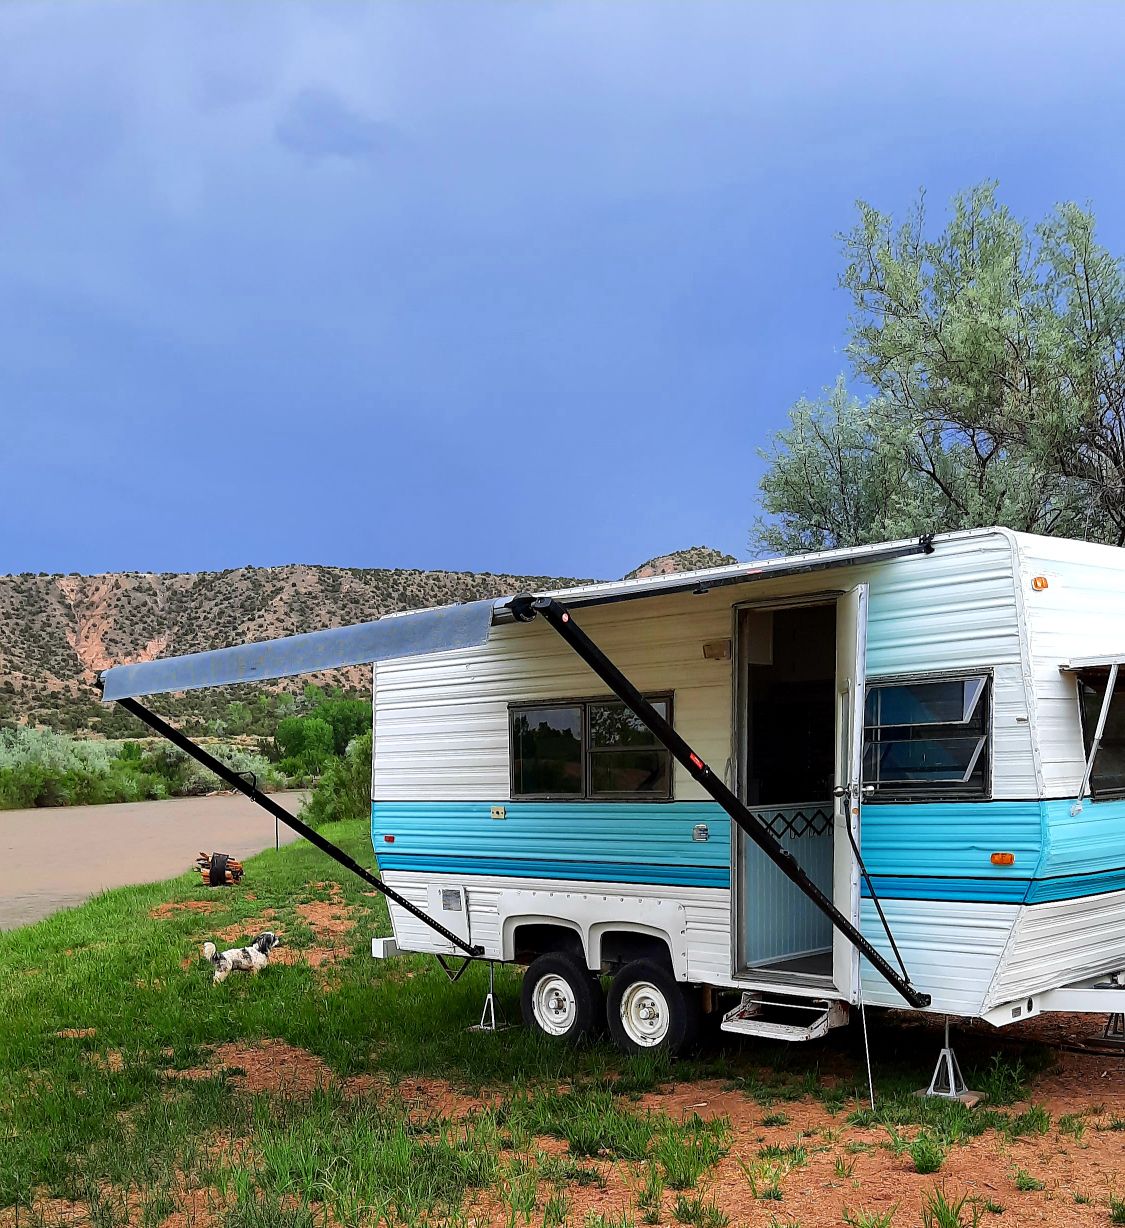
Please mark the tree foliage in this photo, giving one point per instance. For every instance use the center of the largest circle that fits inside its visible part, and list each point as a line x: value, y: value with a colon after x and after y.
x: 305, y: 743
x: 996, y: 356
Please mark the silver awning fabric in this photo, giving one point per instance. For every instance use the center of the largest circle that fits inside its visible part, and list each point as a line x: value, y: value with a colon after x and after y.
x: 396, y: 635
x: 1098, y: 661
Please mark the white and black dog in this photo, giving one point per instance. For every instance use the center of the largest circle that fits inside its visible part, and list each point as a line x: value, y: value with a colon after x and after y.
x: 241, y: 959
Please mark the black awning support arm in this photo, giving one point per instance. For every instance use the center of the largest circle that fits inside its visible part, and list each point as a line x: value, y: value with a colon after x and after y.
x: 251, y: 790
x: 525, y: 608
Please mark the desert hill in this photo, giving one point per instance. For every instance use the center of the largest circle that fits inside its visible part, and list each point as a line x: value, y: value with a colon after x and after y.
x: 57, y: 631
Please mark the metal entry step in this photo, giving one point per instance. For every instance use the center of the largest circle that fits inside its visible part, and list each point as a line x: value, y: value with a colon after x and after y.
x: 795, y: 1019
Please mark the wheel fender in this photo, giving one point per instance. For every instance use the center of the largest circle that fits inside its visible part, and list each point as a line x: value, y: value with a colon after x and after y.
x: 675, y: 941
x: 591, y: 914
x: 511, y: 922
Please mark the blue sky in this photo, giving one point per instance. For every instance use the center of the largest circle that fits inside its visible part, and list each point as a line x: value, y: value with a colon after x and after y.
x: 499, y: 286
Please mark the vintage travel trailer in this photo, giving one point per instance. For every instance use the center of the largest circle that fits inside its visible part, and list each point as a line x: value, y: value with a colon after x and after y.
x: 890, y: 775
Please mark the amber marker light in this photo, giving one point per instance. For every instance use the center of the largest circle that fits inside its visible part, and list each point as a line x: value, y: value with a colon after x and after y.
x: 1003, y: 859
x: 1038, y: 583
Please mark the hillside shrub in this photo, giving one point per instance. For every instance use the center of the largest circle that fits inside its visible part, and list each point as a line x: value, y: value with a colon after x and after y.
x: 39, y: 767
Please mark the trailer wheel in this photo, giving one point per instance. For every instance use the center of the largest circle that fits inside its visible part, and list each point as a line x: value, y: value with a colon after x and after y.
x: 649, y: 1009
x: 561, y: 997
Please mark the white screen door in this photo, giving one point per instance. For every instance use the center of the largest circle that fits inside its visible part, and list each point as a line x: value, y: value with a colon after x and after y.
x: 851, y: 663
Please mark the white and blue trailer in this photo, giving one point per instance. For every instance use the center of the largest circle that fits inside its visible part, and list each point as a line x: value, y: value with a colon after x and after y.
x: 888, y: 775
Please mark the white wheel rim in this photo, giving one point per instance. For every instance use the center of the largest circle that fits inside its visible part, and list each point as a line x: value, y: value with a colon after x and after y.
x: 553, y: 1005
x: 644, y: 1014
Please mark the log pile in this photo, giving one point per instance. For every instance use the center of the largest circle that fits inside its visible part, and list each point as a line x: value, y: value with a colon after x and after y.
x: 219, y: 869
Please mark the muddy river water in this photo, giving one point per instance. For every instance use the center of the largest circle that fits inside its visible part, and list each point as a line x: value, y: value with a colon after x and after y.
x: 57, y: 857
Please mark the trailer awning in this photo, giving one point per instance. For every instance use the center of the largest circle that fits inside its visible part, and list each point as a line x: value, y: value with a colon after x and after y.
x: 396, y: 635
x: 460, y: 626
x: 1100, y: 661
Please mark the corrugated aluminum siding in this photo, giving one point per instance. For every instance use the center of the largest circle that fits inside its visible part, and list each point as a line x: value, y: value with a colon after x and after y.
x: 951, y: 949
x: 442, y: 722
x: 706, y: 915
x: 1081, y: 612
x: 1058, y: 943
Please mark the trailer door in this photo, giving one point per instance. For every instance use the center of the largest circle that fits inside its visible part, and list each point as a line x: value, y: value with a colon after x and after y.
x: 851, y: 659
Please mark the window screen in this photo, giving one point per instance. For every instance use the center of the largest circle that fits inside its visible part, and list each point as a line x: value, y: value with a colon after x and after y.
x: 927, y: 737
x: 1108, y: 776
x: 594, y: 749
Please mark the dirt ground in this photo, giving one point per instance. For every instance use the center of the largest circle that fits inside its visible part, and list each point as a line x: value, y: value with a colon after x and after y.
x: 58, y: 857
x: 851, y: 1171
x: 1067, y: 1173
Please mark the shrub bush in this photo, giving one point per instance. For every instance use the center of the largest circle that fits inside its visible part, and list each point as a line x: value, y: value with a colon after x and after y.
x: 39, y: 767
x: 344, y: 790
x: 306, y: 739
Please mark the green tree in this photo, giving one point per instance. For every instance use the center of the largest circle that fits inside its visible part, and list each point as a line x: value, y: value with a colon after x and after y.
x: 996, y: 355
x: 348, y: 718
x: 305, y: 741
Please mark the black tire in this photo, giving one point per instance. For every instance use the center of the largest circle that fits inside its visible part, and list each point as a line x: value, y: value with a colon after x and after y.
x: 561, y: 998
x: 645, y: 985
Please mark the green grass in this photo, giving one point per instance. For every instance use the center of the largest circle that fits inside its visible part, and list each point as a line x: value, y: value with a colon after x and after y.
x: 870, y: 1219
x: 116, y: 979
x: 1025, y: 1182
x: 927, y: 1153
x: 701, y: 1214
x: 941, y: 1211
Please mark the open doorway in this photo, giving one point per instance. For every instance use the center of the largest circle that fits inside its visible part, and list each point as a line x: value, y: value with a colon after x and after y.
x: 787, y: 707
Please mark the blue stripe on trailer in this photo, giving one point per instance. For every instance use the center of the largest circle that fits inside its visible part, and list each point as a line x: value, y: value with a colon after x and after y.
x: 931, y: 887
x: 1071, y: 886
x: 656, y: 839
x: 952, y: 839
x: 921, y: 851
x: 576, y: 871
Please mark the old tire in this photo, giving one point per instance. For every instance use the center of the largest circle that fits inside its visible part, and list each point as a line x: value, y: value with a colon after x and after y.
x: 561, y: 998
x: 649, y: 1010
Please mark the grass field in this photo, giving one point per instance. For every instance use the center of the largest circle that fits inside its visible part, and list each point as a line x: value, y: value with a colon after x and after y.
x: 336, y: 1090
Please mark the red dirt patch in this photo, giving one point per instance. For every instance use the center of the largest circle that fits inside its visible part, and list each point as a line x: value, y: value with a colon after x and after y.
x: 162, y: 912
x: 271, y: 1066
x: 76, y: 1033
x: 423, y: 1097
x: 112, y: 1061
x: 241, y: 932
x: 331, y: 922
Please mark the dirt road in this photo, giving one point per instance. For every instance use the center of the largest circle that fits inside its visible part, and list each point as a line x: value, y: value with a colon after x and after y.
x: 58, y: 857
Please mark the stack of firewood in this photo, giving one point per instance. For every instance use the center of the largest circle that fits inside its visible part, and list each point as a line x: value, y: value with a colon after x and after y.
x: 219, y: 869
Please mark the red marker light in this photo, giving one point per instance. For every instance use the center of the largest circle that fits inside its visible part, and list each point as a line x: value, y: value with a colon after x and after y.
x: 389, y: 839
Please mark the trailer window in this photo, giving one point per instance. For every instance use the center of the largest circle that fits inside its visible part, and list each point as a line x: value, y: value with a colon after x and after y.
x: 624, y: 758
x: 547, y: 752
x: 589, y: 749
x: 927, y: 738
x: 1108, y: 776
